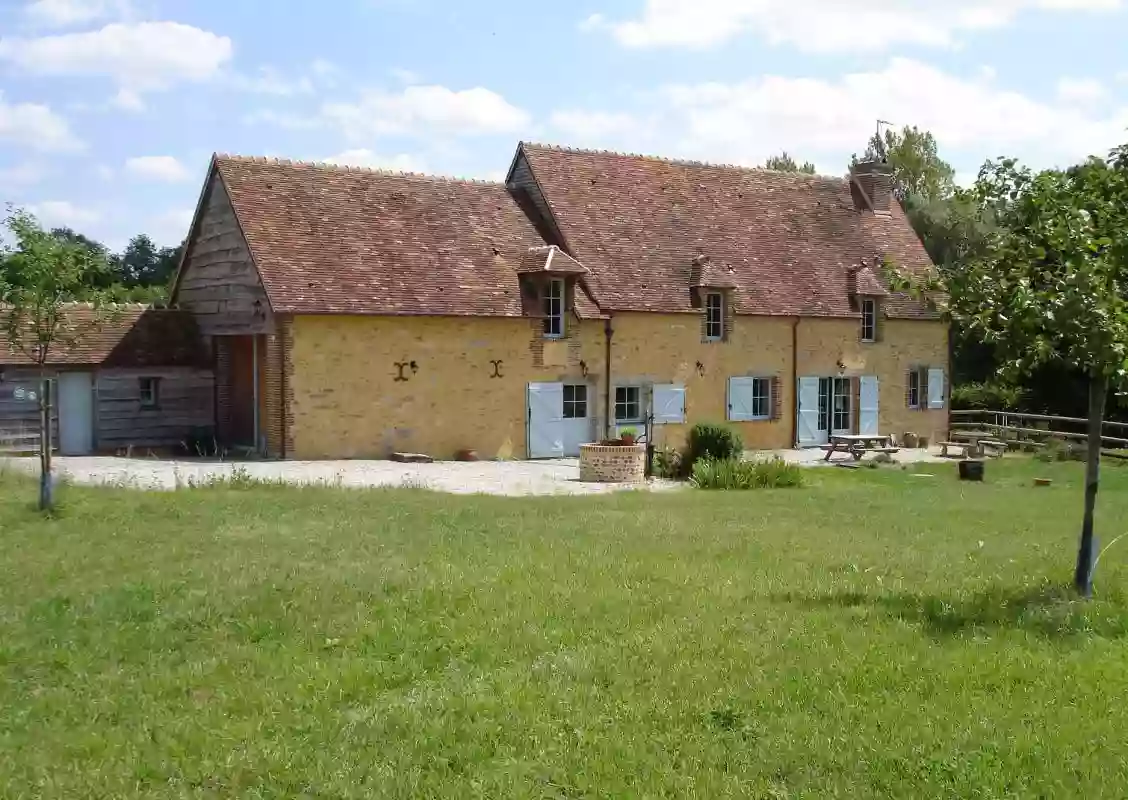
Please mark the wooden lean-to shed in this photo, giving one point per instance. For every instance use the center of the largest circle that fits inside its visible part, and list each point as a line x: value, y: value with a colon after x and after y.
x: 140, y: 378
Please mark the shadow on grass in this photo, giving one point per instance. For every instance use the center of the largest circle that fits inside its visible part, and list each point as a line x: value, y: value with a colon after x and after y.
x: 1048, y: 610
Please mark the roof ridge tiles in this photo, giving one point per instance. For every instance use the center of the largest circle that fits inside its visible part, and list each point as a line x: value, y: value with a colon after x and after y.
x: 330, y: 166
x: 681, y: 162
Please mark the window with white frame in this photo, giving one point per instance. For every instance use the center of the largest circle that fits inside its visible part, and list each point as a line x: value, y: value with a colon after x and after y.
x: 628, y: 403
x: 575, y: 401
x: 554, y: 308
x: 714, y: 316
x: 150, y: 392
x: 869, y: 320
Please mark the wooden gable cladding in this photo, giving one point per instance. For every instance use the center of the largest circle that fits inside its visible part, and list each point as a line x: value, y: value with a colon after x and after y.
x: 218, y: 281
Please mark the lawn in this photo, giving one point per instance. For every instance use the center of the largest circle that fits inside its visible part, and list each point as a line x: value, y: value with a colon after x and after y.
x: 872, y: 634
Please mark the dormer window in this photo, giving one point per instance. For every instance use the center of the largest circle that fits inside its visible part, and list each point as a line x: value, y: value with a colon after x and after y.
x: 554, y: 309
x: 714, y: 316
x: 869, y: 319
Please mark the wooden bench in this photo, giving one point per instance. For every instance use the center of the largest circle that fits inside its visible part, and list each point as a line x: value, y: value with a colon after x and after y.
x: 964, y: 447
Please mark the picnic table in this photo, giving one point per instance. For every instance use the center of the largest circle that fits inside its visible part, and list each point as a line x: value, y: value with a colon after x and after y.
x: 975, y: 443
x: 857, y: 445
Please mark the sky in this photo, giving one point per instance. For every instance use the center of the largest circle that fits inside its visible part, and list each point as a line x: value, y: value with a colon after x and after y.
x: 110, y: 109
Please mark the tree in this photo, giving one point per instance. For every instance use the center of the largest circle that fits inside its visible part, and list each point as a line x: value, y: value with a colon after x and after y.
x: 41, y: 274
x: 1048, y: 287
x: 918, y: 170
x: 785, y: 163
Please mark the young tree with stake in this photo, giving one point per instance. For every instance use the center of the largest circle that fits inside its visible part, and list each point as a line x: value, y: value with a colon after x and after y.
x: 1050, y: 284
x: 41, y: 277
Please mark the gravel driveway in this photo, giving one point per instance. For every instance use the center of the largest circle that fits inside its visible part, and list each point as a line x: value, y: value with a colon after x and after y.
x: 513, y: 478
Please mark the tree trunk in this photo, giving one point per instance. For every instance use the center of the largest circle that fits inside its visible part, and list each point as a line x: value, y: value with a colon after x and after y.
x: 1083, y: 577
x: 46, y: 499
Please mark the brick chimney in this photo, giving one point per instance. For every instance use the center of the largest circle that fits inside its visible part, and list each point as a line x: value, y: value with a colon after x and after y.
x: 871, y: 184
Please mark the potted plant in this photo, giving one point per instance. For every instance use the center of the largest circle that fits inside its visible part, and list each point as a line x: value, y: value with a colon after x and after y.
x: 627, y: 436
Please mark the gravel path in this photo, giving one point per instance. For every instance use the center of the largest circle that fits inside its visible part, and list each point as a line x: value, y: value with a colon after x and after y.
x: 512, y: 478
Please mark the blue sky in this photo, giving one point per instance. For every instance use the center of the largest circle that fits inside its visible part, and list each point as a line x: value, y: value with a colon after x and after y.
x: 110, y: 109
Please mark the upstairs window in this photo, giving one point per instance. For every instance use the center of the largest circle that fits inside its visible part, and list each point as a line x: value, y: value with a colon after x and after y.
x: 869, y: 320
x: 554, y: 309
x: 714, y: 316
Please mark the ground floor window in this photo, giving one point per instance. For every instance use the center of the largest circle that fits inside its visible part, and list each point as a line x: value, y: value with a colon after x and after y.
x: 575, y: 401
x: 628, y: 404
x: 843, y: 402
x: 150, y: 392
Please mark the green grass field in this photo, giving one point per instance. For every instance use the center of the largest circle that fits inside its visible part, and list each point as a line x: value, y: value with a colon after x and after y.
x: 873, y: 634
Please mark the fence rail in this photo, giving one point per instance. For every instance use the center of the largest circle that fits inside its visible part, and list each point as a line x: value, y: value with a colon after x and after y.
x: 1015, y: 428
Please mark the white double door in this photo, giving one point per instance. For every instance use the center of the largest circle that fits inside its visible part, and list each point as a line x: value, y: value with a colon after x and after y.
x: 826, y: 406
x: 559, y: 419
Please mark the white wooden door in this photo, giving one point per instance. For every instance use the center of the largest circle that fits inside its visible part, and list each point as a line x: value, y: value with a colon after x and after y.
x: 810, y: 434
x: 868, y: 405
x: 546, y: 420
x: 577, y: 427
x: 76, y: 413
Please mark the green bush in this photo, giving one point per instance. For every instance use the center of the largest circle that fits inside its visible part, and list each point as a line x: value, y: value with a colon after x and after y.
x: 733, y: 473
x: 1062, y: 450
x: 668, y: 464
x: 714, y: 442
x: 987, y: 397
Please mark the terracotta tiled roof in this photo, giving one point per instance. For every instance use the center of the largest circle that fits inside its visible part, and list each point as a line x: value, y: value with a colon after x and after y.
x: 709, y: 275
x: 130, y: 336
x: 330, y: 239
x: 638, y: 222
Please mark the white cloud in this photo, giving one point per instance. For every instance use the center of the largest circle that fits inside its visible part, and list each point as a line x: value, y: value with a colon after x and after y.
x: 104, y: 172
x: 405, y: 76
x: 145, y: 55
x: 63, y: 214
x: 823, y: 25
x: 283, y: 119
x: 170, y: 227
x: 37, y: 127
x: 63, y: 13
x: 593, y: 125
x: 362, y: 157
x: 128, y: 100
x: 1080, y: 91
x: 825, y: 120
x: 433, y: 110
x: 158, y: 168
x: 21, y: 175
x: 270, y: 81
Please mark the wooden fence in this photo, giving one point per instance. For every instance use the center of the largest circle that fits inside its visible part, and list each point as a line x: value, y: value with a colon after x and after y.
x: 1020, y: 429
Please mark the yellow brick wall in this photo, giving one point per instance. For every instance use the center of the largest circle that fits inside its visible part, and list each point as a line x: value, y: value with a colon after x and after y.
x: 346, y: 402
x: 825, y: 344
x: 666, y: 348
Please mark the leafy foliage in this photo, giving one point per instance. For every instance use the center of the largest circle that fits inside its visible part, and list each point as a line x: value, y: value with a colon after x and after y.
x: 734, y: 473
x: 716, y: 442
x: 785, y: 163
x: 987, y: 397
x: 918, y: 170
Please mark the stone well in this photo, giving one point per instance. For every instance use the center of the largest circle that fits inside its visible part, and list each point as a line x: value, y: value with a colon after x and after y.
x: 610, y: 463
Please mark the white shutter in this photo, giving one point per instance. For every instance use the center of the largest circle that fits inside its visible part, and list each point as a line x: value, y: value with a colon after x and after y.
x: 546, y: 420
x: 808, y: 412
x: 936, y: 388
x: 669, y: 403
x: 868, y: 405
x: 740, y: 399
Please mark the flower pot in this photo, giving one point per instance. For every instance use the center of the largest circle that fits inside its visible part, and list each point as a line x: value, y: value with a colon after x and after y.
x: 911, y: 441
x: 627, y: 439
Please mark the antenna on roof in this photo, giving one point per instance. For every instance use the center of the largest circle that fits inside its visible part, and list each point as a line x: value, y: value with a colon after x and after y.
x: 879, y: 140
